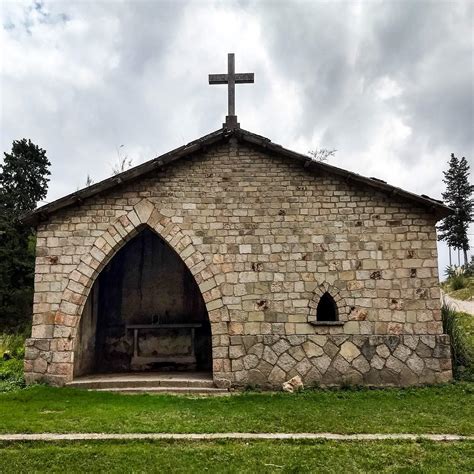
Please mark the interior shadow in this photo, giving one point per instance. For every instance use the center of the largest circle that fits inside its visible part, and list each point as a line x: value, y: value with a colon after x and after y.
x: 145, y: 312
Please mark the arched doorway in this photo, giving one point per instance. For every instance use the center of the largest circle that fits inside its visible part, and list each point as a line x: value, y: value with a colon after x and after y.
x: 145, y: 312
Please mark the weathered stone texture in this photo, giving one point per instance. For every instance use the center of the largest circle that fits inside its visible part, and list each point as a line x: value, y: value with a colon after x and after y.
x: 264, y: 238
x: 345, y: 359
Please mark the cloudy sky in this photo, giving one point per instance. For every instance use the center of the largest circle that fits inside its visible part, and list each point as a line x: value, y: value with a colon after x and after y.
x: 388, y: 84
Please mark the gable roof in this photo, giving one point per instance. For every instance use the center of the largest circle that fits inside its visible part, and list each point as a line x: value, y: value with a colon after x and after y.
x: 221, y: 135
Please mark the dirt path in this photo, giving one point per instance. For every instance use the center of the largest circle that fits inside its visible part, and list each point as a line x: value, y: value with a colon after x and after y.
x: 458, y: 305
x: 233, y: 436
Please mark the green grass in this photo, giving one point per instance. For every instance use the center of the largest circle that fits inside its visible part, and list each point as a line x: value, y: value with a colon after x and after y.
x: 466, y: 321
x: 14, y: 344
x: 459, y: 287
x: 235, y: 456
x: 460, y: 327
x: 464, y: 294
x: 12, y: 351
x: 441, y: 409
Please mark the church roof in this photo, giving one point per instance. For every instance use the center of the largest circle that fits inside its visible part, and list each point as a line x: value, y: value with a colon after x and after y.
x: 201, y: 144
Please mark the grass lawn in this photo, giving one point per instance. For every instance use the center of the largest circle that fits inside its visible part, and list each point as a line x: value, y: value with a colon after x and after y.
x: 460, y: 327
x: 441, y: 409
x: 465, y: 294
x: 466, y: 321
x: 235, y: 456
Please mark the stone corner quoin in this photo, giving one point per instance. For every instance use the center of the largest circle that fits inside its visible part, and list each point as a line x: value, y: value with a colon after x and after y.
x: 264, y: 238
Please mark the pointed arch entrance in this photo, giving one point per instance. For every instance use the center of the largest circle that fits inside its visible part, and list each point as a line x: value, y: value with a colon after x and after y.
x: 145, y: 312
x: 80, y: 296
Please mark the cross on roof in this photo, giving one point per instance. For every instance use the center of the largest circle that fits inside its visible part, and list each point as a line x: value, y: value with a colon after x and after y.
x: 231, y: 78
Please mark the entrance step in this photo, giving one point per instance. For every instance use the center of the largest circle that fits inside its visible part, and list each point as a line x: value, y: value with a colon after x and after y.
x: 149, y: 382
x: 168, y: 390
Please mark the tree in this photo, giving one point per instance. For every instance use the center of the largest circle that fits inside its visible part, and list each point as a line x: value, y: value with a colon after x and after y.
x: 23, y: 178
x: 458, y: 195
x: 23, y: 182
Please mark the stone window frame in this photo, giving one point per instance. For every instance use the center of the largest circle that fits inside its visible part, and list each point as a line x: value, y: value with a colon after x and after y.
x: 340, y: 301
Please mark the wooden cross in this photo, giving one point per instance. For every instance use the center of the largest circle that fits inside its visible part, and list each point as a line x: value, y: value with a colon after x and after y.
x: 231, y: 78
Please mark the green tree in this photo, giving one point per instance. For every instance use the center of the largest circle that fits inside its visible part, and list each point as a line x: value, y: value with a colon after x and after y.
x: 23, y: 182
x: 458, y: 195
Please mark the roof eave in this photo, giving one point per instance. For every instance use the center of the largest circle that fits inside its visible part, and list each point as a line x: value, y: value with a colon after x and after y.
x: 437, y: 207
x: 41, y: 213
x: 34, y: 217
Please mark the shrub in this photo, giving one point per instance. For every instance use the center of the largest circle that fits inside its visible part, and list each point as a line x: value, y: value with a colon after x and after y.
x: 451, y: 271
x: 11, y: 367
x: 469, y: 268
x: 14, y: 344
x: 458, y: 282
x: 11, y: 375
x: 458, y: 327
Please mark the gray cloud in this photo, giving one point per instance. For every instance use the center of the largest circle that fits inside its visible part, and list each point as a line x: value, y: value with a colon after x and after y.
x: 389, y: 84
x: 337, y: 54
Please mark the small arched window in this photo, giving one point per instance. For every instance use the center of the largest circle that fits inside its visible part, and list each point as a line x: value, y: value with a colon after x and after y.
x: 327, y: 309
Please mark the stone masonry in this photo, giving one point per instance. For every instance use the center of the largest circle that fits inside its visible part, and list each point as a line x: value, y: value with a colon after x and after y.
x: 264, y: 238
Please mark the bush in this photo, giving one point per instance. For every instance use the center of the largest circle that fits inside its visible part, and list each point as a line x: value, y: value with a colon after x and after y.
x: 458, y: 282
x: 451, y: 271
x: 12, y: 351
x: 460, y: 328
x: 469, y: 268
x: 11, y: 375
x: 13, y: 344
x: 11, y: 369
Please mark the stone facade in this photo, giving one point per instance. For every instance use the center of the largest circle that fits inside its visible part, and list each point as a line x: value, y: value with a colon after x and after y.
x: 269, y: 360
x: 264, y: 238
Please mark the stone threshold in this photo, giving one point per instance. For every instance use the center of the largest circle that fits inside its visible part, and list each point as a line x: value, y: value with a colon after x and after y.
x: 233, y: 436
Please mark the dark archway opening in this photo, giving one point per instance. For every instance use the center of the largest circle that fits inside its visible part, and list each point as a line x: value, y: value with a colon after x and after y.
x: 145, y: 312
x: 327, y: 309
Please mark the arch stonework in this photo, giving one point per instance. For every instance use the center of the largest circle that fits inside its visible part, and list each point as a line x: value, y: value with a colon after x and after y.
x: 123, y: 229
x: 339, y: 297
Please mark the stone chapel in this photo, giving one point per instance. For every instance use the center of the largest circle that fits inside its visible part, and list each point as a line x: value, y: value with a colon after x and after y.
x: 242, y: 260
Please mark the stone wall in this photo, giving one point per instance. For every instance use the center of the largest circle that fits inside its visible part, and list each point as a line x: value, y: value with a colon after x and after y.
x: 264, y: 238
x: 268, y: 361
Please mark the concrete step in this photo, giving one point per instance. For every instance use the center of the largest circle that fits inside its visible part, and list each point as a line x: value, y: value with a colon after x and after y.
x: 139, y: 383
x: 176, y: 382
x: 166, y: 390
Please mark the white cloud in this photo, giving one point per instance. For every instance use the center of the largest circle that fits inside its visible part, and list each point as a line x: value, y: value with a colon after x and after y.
x: 387, y: 88
x: 389, y: 85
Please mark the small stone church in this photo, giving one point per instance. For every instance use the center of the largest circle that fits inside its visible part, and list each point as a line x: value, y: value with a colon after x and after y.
x: 239, y: 259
